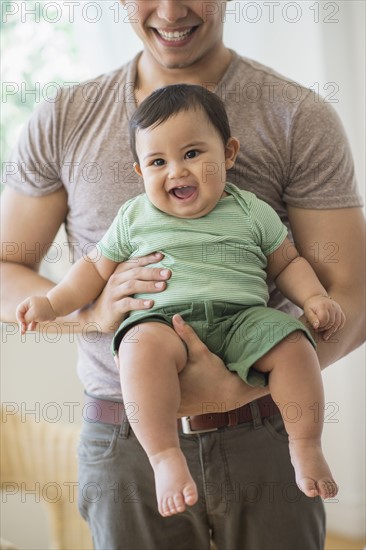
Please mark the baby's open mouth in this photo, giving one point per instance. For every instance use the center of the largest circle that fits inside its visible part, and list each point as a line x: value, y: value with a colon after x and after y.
x: 184, y: 192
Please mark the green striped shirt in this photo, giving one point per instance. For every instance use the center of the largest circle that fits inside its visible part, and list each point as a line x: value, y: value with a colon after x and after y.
x: 221, y: 256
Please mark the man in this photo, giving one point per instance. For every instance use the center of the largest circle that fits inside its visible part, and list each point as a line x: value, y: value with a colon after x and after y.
x: 295, y: 156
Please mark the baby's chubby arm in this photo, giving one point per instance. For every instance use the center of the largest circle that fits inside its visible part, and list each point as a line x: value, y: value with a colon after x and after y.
x: 81, y: 285
x: 296, y: 279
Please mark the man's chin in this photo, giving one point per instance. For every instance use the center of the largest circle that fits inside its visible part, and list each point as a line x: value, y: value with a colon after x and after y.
x: 175, y: 65
x: 172, y: 62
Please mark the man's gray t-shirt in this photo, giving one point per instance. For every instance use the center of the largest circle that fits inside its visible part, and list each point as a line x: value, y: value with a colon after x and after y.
x: 293, y: 151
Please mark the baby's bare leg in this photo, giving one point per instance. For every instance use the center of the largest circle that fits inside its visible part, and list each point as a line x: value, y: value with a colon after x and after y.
x: 150, y: 360
x: 295, y: 378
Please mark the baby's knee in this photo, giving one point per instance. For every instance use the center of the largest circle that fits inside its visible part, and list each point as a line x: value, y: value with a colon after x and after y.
x: 152, y: 340
x: 138, y: 336
x: 298, y: 343
x: 291, y: 349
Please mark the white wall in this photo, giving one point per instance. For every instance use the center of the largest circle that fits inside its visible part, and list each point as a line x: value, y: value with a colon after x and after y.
x: 308, y: 51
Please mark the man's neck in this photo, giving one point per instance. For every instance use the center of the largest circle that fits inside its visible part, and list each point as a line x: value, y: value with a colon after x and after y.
x: 151, y: 76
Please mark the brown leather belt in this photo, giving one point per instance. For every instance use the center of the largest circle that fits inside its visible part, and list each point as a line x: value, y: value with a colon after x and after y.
x: 113, y: 412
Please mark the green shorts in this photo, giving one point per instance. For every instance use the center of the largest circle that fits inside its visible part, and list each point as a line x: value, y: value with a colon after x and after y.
x: 239, y: 335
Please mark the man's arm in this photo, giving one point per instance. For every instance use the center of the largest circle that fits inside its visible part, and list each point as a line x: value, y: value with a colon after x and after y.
x: 333, y: 242
x: 28, y: 227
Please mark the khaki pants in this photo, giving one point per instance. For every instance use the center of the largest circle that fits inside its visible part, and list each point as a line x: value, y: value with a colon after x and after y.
x: 248, y: 498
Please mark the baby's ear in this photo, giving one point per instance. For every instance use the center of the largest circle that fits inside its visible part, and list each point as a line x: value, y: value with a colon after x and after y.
x: 231, y: 151
x: 137, y: 168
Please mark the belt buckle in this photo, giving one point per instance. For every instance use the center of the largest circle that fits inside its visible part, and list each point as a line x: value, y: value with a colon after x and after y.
x: 187, y: 430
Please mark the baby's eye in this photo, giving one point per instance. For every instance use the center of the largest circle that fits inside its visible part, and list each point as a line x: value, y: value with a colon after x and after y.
x: 192, y: 154
x: 158, y: 162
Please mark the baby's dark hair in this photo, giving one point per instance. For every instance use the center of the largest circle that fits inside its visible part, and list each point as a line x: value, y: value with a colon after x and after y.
x: 171, y: 100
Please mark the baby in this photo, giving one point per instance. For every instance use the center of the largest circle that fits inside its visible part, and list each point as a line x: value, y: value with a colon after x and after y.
x: 221, y: 244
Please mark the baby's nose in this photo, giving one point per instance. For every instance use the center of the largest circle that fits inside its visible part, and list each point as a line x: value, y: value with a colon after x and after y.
x: 177, y: 170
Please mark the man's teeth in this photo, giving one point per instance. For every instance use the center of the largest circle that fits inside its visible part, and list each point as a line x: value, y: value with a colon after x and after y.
x: 174, y: 36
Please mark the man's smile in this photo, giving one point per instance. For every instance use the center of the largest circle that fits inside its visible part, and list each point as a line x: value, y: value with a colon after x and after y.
x: 176, y: 37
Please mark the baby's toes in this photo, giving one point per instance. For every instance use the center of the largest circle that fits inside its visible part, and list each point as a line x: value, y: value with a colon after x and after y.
x: 179, y: 504
x: 308, y: 486
x: 327, y: 488
x: 190, y: 494
x: 172, y: 505
x: 166, y: 507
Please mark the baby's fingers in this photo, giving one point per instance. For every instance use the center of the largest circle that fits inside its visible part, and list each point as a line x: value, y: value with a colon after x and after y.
x: 343, y: 320
x: 339, y: 322
x: 32, y: 325
x: 25, y: 316
x: 20, y: 315
x: 326, y: 318
x: 313, y: 319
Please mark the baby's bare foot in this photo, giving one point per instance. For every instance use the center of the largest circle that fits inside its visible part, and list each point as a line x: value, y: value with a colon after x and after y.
x: 174, y: 484
x: 313, y: 475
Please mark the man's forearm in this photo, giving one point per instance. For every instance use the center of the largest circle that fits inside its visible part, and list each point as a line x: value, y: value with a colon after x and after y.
x: 238, y: 393
x: 234, y: 392
x: 18, y: 282
x: 227, y: 391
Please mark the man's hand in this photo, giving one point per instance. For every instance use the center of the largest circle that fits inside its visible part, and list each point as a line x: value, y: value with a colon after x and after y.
x: 206, y: 384
x: 129, y: 278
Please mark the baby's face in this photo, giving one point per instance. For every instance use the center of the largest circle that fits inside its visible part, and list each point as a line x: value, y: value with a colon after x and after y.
x: 183, y: 162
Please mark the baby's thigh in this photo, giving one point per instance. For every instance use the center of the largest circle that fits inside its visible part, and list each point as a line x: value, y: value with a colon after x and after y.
x: 152, y: 341
x: 261, y: 337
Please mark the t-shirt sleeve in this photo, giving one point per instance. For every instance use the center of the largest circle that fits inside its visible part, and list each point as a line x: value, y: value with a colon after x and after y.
x: 33, y: 167
x: 321, y: 172
x: 269, y: 231
x: 115, y: 245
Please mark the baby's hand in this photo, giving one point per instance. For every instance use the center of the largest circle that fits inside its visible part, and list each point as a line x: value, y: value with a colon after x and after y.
x: 324, y: 315
x: 33, y: 310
